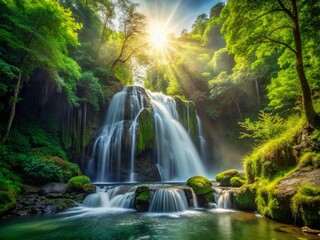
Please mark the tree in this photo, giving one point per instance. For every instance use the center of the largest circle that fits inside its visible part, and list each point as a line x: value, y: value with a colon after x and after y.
x: 132, y: 29
x: 36, y: 33
x: 275, y: 24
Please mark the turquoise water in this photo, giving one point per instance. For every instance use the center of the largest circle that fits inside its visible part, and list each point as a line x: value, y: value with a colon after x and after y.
x: 99, y: 223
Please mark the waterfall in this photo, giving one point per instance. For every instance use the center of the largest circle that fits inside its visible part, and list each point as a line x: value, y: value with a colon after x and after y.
x: 114, y: 197
x: 225, y: 199
x: 168, y: 200
x: 172, y: 155
x: 202, y: 141
x: 177, y: 157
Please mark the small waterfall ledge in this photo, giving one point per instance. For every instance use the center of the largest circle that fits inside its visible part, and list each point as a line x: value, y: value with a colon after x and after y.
x: 160, y: 198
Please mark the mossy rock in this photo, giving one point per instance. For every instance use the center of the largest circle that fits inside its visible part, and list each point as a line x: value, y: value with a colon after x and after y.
x: 7, y: 200
x: 146, y: 131
x: 237, y: 181
x: 89, y: 188
x: 306, y: 205
x: 224, y: 177
x: 200, y: 185
x: 245, y: 198
x: 142, y: 198
x: 77, y: 183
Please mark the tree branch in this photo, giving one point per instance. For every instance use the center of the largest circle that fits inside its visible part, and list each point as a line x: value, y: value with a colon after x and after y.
x: 286, y: 10
x: 282, y: 43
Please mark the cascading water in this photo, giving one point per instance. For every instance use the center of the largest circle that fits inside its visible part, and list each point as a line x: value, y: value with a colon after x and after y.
x: 172, y: 156
x: 224, y: 199
x: 168, y: 200
x: 112, y: 197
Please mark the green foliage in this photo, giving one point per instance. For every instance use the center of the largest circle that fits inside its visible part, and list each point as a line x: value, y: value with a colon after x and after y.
x: 274, y: 155
x: 266, y: 128
x: 306, y: 204
x: 245, y: 197
x: 200, y: 185
x: 39, y: 171
x: 77, y: 183
x: 224, y: 178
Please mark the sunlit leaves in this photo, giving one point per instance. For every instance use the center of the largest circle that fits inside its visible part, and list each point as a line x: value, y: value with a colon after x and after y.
x: 267, y: 127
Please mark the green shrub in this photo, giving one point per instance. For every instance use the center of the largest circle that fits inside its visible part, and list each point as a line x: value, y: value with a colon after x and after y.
x: 306, y: 204
x: 200, y: 185
x: 77, y: 183
x: 38, y: 170
x: 237, y: 181
x: 224, y: 177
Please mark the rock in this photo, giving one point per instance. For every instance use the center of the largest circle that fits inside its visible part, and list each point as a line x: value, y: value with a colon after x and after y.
x: 289, y: 185
x: 310, y: 230
x: 28, y: 189
x: 55, y: 189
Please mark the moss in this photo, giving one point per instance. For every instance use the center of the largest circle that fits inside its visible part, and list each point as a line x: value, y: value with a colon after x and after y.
x: 89, y: 188
x: 311, y: 159
x: 200, y: 185
x: 146, y: 130
x: 271, y: 204
x: 237, y: 181
x: 306, y: 204
x: 224, y: 177
x: 142, y: 198
x: 77, y: 183
x: 245, y: 198
x: 7, y: 200
x: 191, y: 125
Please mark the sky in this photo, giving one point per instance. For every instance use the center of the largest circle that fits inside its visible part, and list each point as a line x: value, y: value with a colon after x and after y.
x: 176, y: 15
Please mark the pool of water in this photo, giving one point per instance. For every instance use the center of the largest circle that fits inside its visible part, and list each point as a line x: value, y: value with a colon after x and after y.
x: 100, y: 223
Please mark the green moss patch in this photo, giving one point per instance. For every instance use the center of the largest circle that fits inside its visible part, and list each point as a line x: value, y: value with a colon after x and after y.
x: 7, y: 200
x: 142, y: 198
x: 146, y: 131
x: 200, y: 185
x: 306, y: 204
x: 245, y: 198
x: 224, y: 177
x: 77, y: 183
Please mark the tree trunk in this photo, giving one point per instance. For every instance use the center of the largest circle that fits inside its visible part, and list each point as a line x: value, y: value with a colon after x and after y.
x: 238, y: 106
x: 312, y: 117
x: 13, y: 108
x: 257, y: 91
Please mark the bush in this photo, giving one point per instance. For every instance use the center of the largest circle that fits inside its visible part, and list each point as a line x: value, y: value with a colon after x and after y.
x: 38, y: 170
x: 200, y: 185
x: 77, y: 183
x: 224, y: 177
x: 310, y: 159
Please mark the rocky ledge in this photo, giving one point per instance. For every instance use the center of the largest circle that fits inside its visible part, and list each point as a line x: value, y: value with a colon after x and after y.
x: 50, y: 198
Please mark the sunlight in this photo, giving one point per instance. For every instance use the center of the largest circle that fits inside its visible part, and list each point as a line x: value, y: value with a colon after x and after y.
x: 158, y: 38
